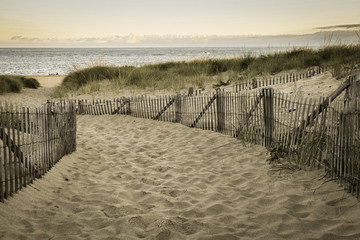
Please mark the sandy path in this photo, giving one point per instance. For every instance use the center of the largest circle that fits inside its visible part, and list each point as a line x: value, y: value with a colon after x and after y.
x: 49, y: 81
x: 135, y: 178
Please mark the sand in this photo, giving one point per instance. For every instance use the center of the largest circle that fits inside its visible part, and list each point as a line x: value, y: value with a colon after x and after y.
x: 49, y: 81
x: 137, y: 178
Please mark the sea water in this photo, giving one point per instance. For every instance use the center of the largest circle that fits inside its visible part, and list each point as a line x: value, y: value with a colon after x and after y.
x: 52, y: 61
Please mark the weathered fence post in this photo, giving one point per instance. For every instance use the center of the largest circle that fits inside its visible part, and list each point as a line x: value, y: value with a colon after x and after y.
x: 350, y: 128
x: 254, y: 83
x: 48, y: 117
x: 268, y: 101
x: 191, y: 91
x: 220, y: 106
x: 353, y: 90
x: 128, y: 109
x: 74, y: 126
x: 178, y: 108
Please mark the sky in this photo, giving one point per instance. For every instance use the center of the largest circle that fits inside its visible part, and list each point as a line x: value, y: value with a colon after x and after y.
x: 130, y: 22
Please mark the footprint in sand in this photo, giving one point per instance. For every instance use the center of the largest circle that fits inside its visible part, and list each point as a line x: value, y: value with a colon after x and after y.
x: 137, y: 222
x: 171, y: 192
x: 113, y: 212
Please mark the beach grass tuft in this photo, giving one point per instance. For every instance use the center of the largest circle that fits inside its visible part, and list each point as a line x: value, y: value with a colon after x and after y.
x: 10, y: 83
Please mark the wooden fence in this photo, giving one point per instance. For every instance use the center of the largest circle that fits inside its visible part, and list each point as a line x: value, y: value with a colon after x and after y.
x: 318, y: 132
x: 290, y: 77
x: 32, y: 140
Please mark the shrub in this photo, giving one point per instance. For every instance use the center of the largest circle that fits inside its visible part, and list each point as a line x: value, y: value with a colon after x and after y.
x: 80, y: 78
x: 15, y: 85
x: 4, y: 86
x: 245, y: 63
x: 216, y: 66
x: 9, y: 83
x: 30, y: 82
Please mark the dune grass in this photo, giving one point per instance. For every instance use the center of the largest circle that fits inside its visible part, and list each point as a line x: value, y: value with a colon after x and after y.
x: 178, y: 75
x: 10, y: 83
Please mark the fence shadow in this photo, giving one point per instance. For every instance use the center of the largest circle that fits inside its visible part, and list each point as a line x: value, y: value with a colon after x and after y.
x: 32, y: 140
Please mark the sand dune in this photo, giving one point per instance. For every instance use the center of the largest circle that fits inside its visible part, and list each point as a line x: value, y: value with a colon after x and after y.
x: 135, y: 178
x: 314, y: 87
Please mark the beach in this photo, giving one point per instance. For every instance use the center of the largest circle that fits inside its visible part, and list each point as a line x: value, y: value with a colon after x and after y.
x: 136, y: 178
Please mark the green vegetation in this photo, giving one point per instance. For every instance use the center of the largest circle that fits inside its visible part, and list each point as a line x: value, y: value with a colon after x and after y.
x: 305, y: 155
x: 178, y: 75
x: 10, y: 83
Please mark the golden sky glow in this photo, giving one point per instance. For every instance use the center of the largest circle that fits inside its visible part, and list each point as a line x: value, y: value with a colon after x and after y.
x: 71, y: 20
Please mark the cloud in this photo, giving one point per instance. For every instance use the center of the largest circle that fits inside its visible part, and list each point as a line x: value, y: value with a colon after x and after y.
x: 345, y: 26
x: 14, y: 38
x: 34, y: 39
x: 127, y: 39
x: 196, y: 40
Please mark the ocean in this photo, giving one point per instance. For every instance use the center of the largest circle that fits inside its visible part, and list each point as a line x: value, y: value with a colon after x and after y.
x: 52, y: 61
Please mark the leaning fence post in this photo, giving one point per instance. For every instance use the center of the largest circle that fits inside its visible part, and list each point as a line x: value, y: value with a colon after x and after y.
x: 268, y: 101
x: 349, y: 125
x: 353, y: 90
x: 220, y: 105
